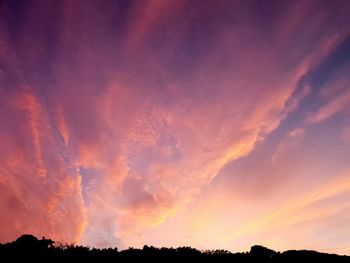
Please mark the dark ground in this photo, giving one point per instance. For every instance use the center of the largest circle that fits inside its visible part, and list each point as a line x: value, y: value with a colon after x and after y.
x: 28, y: 248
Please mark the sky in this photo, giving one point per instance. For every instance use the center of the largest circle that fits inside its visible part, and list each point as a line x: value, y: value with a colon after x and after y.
x: 203, y: 123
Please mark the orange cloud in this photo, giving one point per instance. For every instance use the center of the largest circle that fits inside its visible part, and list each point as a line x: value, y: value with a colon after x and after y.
x: 201, y: 134
x: 36, y: 118
x: 130, y: 116
x: 40, y: 194
x: 295, y: 211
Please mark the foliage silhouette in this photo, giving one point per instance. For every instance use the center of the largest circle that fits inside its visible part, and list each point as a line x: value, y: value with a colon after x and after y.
x: 30, y: 247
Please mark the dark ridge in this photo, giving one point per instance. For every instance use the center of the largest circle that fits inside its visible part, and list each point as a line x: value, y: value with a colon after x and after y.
x: 28, y: 247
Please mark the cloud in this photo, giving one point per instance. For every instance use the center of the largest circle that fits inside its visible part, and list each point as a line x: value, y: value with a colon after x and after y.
x: 62, y: 126
x: 291, y: 140
x: 298, y: 132
x: 144, y: 17
x: 297, y: 210
x: 224, y: 218
x: 333, y: 97
x: 337, y: 104
x: 206, y: 138
x: 126, y: 118
x: 37, y: 123
x: 40, y: 194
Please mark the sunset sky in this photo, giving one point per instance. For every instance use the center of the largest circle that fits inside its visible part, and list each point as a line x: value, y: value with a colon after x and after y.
x: 203, y: 123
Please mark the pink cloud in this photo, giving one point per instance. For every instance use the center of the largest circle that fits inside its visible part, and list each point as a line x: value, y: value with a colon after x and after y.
x: 291, y: 140
x: 35, y: 113
x: 298, y: 132
x: 135, y: 115
x: 335, y: 97
x: 337, y: 104
x: 62, y: 126
x: 40, y: 194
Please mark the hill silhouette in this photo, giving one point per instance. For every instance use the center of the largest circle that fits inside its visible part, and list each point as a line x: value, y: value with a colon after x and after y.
x: 29, y: 247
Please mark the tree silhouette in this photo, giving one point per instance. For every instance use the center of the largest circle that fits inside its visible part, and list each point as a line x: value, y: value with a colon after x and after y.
x: 29, y: 247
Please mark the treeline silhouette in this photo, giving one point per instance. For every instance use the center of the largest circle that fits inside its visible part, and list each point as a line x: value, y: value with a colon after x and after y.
x: 29, y: 247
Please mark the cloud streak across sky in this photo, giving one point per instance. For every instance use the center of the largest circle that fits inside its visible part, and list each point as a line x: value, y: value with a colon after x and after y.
x: 168, y: 122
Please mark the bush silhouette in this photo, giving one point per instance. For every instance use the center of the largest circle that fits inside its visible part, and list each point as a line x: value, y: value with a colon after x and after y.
x: 26, y: 242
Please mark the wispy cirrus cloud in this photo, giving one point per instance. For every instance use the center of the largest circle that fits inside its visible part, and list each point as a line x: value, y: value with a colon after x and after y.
x: 133, y: 108
x: 38, y: 188
x: 337, y: 104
